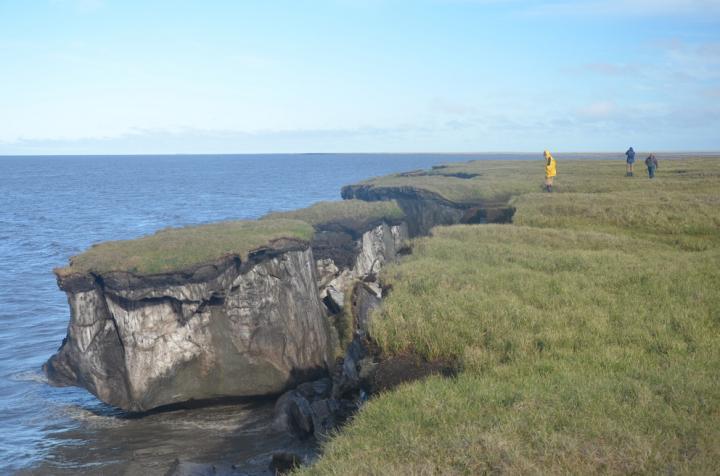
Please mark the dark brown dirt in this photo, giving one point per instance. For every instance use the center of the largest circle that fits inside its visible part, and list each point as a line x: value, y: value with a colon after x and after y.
x: 396, y: 370
x: 476, y: 215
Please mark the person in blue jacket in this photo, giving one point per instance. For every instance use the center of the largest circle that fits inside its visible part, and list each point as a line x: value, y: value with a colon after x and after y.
x: 652, y: 165
x: 630, y: 161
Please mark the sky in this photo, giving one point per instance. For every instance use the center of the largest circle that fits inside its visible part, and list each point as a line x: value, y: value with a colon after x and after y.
x: 275, y: 76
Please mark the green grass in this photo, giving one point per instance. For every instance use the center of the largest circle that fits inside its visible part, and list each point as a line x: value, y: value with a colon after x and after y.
x: 586, y: 333
x: 355, y: 214
x: 480, y: 189
x: 177, y: 249
x: 498, y: 181
x: 683, y: 218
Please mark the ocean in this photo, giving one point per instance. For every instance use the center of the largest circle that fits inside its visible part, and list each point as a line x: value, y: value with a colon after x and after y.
x: 52, y: 208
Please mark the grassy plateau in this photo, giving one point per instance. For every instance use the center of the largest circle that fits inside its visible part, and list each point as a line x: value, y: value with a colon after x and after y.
x: 177, y: 249
x: 586, y: 333
x: 349, y: 213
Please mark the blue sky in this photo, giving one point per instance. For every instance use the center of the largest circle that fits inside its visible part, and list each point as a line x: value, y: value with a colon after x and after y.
x: 122, y: 76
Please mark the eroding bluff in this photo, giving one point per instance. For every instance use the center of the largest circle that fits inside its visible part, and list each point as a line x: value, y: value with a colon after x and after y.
x: 231, y: 328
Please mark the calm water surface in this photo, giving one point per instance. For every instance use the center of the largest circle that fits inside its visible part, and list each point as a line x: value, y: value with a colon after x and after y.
x: 54, y: 207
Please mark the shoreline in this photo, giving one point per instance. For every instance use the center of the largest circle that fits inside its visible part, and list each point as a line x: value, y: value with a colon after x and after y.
x: 414, y: 210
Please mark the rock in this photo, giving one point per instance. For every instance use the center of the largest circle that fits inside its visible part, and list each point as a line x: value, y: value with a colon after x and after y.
x: 377, y: 247
x: 284, y: 462
x: 326, y: 271
x: 282, y: 418
x: 400, y: 236
x: 338, y: 245
x: 251, y: 329
x: 301, y: 419
x: 343, y: 281
x: 306, y: 390
x: 362, y: 249
x: 322, y: 387
x: 317, y: 416
x: 323, y: 414
x: 374, y: 288
x: 366, y: 370
x: 316, y: 389
x: 317, y: 408
x: 423, y: 209
x: 333, y: 294
x: 356, y: 350
x: 347, y: 408
x: 349, y: 379
x: 334, y: 300
x: 366, y: 298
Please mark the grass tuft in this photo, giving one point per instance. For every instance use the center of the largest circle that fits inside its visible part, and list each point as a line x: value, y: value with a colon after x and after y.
x: 497, y: 181
x: 587, y: 332
x: 354, y: 214
x: 177, y: 249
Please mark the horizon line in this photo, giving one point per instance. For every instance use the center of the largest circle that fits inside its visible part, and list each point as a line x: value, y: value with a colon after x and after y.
x: 171, y: 154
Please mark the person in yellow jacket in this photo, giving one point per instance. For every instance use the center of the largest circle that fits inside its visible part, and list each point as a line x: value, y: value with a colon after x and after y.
x: 550, y: 170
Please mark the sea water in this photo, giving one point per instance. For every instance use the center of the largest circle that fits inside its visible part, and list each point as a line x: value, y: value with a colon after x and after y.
x: 54, y: 207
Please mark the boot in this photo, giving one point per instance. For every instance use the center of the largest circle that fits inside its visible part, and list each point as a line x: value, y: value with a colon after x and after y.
x: 549, y: 188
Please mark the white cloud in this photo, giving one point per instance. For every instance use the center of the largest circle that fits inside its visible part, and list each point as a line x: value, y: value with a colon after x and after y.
x: 451, y: 108
x: 699, y: 61
x: 712, y: 93
x: 670, y: 69
x: 598, y: 110
x: 188, y: 140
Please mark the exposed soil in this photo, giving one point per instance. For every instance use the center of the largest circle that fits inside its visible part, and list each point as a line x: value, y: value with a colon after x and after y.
x: 476, y: 215
x: 396, y: 370
x: 336, y: 245
x: 424, y: 173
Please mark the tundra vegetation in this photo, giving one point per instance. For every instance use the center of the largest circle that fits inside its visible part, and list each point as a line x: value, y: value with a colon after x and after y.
x: 352, y: 214
x: 178, y: 249
x: 586, y: 333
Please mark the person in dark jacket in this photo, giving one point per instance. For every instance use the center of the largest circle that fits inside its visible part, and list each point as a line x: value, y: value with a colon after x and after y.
x: 652, y: 164
x: 630, y: 161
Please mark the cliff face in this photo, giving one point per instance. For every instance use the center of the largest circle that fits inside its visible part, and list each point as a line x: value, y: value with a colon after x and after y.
x: 228, y: 329
x: 379, y: 246
x: 317, y: 408
x: 423, y: 209
x: 231, y: 328
x: 367, y: 255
